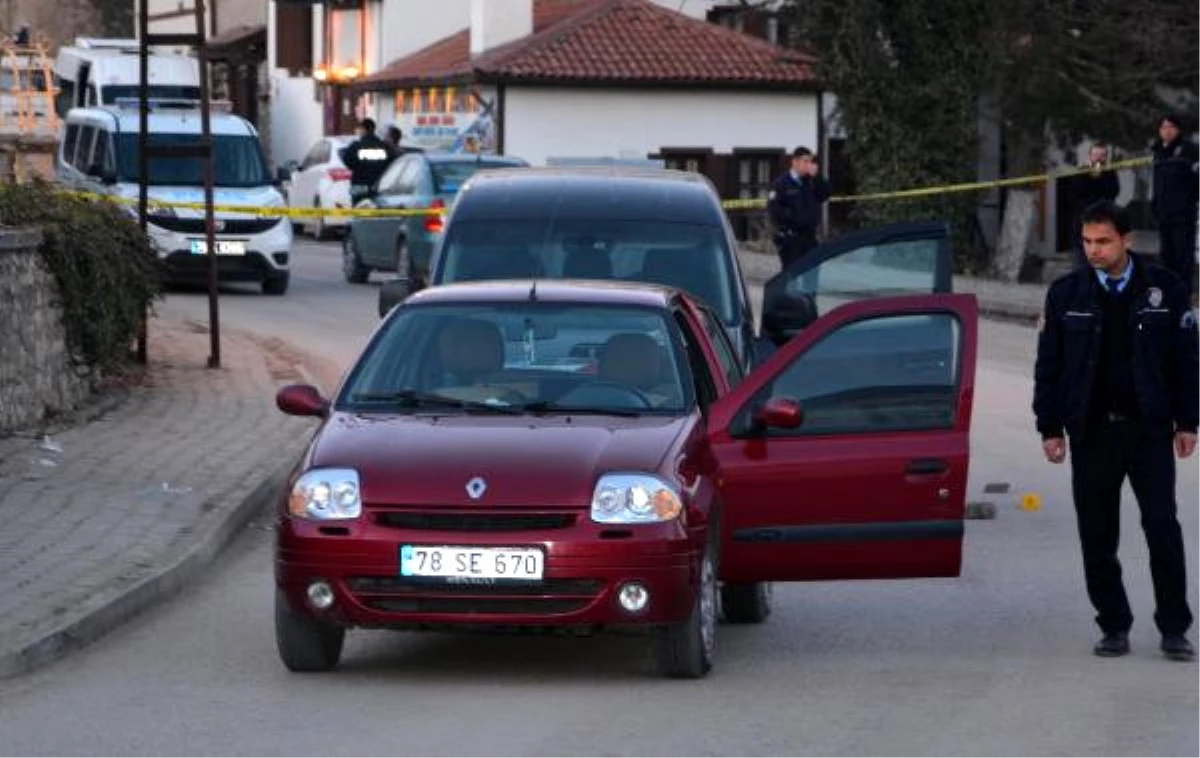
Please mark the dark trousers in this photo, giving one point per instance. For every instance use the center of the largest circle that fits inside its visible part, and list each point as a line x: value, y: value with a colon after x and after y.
x: 1177, y: 249
x: 792, y: 246
x: 1099, y: 464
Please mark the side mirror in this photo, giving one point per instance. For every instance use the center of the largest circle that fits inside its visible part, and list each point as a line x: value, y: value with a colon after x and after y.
x: 283, y: 174
x: 779, y: 413
x: 396, y: 291
x: 301, y: 400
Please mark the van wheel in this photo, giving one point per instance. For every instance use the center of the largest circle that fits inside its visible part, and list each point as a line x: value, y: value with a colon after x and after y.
x: 685, y: 650
x: 305, y: 644
x: 746, y: 603
x: 352, y: 265
x: 276, y: 285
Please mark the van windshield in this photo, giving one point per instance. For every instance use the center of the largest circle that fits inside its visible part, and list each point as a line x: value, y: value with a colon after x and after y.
x: 691, y: 257
x: 237, y: 161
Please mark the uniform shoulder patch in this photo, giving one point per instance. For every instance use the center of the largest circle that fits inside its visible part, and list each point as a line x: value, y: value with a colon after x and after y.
x: 771, y: 195
x: 1188, y: 319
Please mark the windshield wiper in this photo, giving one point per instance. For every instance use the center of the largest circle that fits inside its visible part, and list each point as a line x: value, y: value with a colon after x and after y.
x: 417, y: 399
x: 545, y: 406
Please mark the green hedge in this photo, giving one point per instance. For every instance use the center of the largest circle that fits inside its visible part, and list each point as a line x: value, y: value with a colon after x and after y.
x: 107, y: 273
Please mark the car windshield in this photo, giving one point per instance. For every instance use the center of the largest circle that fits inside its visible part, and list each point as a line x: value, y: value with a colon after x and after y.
x: 237, y: 161
x: 449, y: 176
x: 691, y: 257
x: 522, y: 358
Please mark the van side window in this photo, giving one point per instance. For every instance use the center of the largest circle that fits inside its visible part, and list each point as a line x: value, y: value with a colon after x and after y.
x: 70, y: 139
x: 83, y: 153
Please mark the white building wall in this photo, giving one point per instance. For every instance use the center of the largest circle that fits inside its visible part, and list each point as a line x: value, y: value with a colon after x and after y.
x: 544, y: 123
x: 296, y: 116
x: 409, y: 26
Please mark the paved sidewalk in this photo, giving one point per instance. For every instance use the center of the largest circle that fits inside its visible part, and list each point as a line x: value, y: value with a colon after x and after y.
x: 104, y: 518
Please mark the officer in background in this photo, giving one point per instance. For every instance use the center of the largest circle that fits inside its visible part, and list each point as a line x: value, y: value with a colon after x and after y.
x: 1175, y: 196
x: 1099, y: 183
x: 794, y: 206
x: 1117, y: 372
x: 367, y: 158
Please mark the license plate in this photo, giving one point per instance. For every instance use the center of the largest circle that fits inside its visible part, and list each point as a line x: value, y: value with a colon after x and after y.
x: 519, y: 563
x: 224, y: 247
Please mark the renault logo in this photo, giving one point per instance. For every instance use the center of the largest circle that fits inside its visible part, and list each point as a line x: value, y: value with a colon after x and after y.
x: 476, y: 487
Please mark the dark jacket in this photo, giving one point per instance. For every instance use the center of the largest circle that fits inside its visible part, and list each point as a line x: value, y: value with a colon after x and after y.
x: 795, y: 206
x: 1175, y: 182
x: 1090, y: 188
x: 1165, y: 360
x: 367, y: 159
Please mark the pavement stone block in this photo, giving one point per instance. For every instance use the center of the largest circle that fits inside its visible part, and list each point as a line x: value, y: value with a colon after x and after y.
x: 117, y: 512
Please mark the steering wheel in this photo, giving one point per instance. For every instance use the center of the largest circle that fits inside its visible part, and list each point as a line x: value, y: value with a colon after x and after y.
x: 595, y: 392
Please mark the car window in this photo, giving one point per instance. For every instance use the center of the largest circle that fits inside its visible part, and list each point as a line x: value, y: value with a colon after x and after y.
x: 237, y: 161
x: 102, y: 152
x: 692, y: 257
x: 70, y: 139
x: 313, y: 156
x: 400, y: 178
x: 726, y: 355
x: 887, y: 373
x: 524, y: 355
x: 449, y: 176
x: 83, y: 153
x: 897, y: 267
x: 705, y: 387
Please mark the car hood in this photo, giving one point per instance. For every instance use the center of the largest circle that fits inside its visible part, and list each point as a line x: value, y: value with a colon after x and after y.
x: 258, y: 197
x: 524, y: 460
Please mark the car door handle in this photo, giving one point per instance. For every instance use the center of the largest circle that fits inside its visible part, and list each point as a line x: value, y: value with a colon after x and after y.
x: 926, y: 467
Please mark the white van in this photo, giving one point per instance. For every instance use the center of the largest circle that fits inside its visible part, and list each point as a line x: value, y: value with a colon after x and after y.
x: 99, y: 153
x: 103, y: 71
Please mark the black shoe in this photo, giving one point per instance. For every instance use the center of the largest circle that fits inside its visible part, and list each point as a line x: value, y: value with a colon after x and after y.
x: 1113, y: 645
x: 1177, y: 648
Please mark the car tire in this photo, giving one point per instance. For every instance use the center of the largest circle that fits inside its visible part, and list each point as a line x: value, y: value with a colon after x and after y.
x: 685, y: 650
x: 276, y: 285
x: 352, y: 265
x: 305, y: 644
x: 746, y: 603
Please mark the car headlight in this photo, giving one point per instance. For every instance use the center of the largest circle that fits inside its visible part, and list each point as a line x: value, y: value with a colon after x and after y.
x: 326, y: 494
x: 634, y: 499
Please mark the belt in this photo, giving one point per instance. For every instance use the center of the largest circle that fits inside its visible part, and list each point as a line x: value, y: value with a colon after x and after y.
x: 1117, y: 418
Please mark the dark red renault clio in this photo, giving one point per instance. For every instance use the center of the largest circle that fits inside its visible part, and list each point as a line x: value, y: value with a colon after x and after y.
x: 582, y: 455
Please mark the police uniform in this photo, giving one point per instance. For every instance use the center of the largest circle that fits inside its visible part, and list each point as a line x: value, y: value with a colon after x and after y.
x: 367, y: 158
x: 794, y: 205
x: 1117, y: 371
x: 1174, y: 205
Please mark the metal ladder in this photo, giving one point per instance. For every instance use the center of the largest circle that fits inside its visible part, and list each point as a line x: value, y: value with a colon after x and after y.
x: 201, y: 151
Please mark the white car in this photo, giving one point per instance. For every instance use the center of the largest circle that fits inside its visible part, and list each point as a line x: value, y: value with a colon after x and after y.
x: 322, y: 181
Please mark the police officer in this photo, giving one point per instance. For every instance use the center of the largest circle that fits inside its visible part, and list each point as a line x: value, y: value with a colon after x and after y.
x: 794, y: 206
x: 1175, y: 195
x: 1099, y: 183
x: 1117, y: 371
x: 367, y: 158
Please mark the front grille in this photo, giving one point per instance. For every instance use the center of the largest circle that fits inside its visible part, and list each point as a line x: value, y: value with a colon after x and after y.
x: 224, y: 226
x: 406, y: 596
x: 475, y: 522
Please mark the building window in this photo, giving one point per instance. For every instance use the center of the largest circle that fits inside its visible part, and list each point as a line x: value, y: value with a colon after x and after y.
x: 294, y: 38
x: 755, y: 172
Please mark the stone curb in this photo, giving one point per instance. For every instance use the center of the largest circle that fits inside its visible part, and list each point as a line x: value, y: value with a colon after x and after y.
x: 165, y: 579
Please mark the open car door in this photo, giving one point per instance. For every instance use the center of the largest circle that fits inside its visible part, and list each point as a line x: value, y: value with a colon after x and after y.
x: 872, y: 482
x: 886, y: 261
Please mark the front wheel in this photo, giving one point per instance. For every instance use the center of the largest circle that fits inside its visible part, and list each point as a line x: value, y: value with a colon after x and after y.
x: 685, y: 650
x: 305, y: 644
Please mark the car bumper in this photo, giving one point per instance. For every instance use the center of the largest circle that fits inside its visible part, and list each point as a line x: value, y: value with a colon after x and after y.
x: 585, y: 568
x: 267, y: 253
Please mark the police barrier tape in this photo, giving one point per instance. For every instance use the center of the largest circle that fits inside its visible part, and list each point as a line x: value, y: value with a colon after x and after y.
x: 730, y: 205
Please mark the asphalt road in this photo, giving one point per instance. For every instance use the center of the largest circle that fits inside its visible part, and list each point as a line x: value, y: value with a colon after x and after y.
x: 996, y: 662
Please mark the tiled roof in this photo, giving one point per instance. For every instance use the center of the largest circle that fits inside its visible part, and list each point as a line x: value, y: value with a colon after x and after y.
x: 615, y: 42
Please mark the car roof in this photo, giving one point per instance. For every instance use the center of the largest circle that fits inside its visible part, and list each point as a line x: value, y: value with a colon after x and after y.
x: 165, y: 120
x: 579, y: 292
x: 615, y: 192
x: 486, y: 160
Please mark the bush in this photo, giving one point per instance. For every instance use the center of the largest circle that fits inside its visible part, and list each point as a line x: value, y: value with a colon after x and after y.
x: 107, y: 273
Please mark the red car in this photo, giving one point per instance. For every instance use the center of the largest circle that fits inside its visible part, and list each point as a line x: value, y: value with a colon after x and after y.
x: 582, y: 455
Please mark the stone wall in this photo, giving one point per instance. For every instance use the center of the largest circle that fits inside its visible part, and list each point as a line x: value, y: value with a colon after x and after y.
x: 36, y: 376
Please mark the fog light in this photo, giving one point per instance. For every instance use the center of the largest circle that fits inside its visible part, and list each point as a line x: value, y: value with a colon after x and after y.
x: 633, y: 597
x: 320, y: 595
